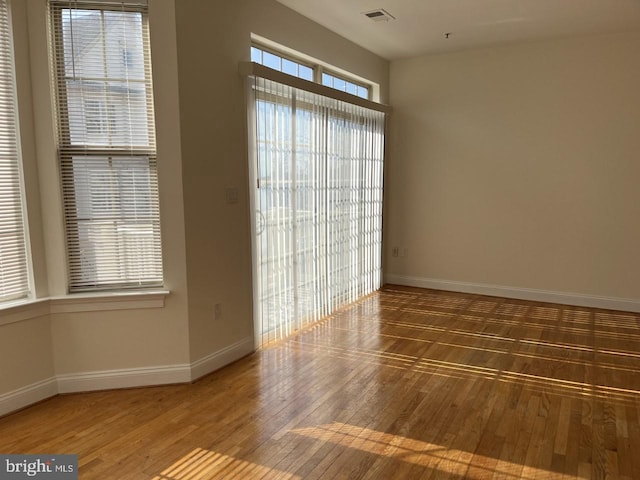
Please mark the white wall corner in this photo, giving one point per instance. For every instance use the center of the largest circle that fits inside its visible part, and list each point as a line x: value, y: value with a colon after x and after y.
x: 223, y: 357
x: 564, y: 298
x: 123, y: 378
x: 28, y: 395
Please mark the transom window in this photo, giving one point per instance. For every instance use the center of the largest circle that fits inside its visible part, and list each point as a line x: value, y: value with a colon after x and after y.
x: 282, y: 64
x: 344, y: 85
x: 310, y: 72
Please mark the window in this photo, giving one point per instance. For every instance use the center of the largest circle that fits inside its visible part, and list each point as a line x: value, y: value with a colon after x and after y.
x: 318, y: 167
x: 344, y: 85
x: 106, y: 144
x: 282, y: 64
x: 14, y: 278
x: 292, y: 67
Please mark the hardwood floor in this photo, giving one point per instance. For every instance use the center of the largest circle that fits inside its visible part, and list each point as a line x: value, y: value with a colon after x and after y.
x: 406, y: 384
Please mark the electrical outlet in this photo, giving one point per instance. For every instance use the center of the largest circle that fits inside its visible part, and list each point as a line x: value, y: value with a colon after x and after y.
x: 217, y: 311
x: 395, y: 251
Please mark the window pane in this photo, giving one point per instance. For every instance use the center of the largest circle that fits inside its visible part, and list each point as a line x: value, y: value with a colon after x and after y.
x: 270, y: 60
x: 82, y: 30
x: 112, y: 38
x: 106, y: 187
x: 256, y: 55
x: 122, y: 49
x: 306, y: 72
x: 114, y: 203
x: 104, y: 71
x: 352, y: 88
x: 289, y: 67
x: 327, y: 80
x: 339, y: 84
x: 363, y: 92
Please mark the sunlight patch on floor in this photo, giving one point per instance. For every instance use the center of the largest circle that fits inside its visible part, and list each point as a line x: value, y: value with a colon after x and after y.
x: 204, y: 464
x: 417, y: 452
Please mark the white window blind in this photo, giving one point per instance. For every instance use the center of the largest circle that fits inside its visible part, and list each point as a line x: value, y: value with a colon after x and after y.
x: 318, y: 168
x: 107, y: 148
x: 14, y: 278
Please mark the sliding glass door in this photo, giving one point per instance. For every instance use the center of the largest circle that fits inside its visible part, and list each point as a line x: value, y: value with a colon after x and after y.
x: 317, y: 169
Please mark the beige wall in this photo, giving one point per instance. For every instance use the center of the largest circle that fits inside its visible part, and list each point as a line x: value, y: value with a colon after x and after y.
x: 212, y: 38
x: 518, y: 166
x: 39, y: 348
x: 26, y: 354
x: 200, y: 120
x: 86, y: 342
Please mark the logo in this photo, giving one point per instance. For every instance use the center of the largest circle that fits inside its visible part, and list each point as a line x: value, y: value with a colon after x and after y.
x: 40, y: 467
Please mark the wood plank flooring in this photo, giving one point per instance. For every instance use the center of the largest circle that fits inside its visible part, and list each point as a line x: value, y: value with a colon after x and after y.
x: 407, y: 383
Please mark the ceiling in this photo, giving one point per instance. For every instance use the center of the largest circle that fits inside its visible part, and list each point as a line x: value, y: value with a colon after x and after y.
x: 420, y: 25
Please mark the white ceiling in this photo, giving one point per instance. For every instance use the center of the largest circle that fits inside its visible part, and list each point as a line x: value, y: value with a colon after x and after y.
x: 420, y: 25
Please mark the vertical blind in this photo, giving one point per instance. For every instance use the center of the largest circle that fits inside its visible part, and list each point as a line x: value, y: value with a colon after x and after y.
x: 106, y: 138
x: 318, y: 167
x: 14, y: 278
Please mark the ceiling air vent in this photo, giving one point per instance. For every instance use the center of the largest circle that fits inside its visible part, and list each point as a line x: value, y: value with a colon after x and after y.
x: 379, y: 15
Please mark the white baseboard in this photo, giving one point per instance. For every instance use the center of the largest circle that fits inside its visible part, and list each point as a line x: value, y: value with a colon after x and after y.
x: 577, y: 299
x: 123, y: 378
x: 25, y: 396
x: 223, y: 357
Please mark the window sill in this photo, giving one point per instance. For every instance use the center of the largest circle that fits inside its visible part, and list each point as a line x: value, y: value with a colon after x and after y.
x: 21, y: 310
x: 101, y: 301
